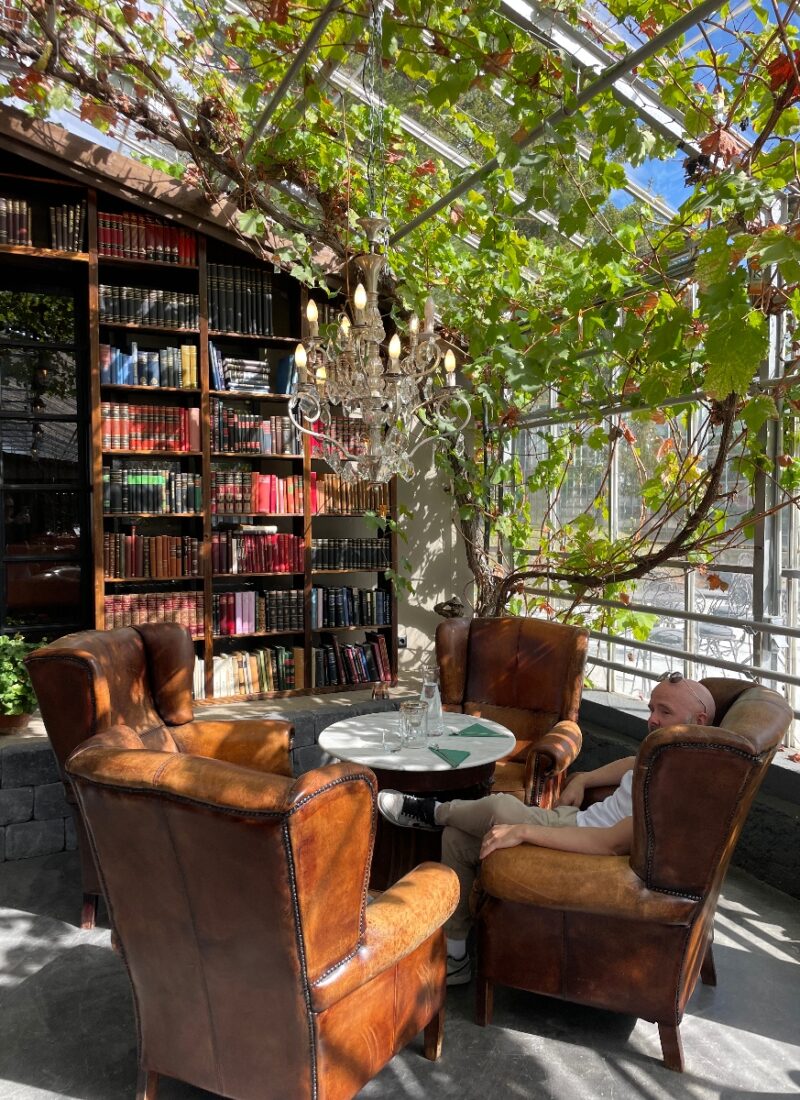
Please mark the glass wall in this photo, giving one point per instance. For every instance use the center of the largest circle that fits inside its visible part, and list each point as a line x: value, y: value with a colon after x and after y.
x: 44, y: 480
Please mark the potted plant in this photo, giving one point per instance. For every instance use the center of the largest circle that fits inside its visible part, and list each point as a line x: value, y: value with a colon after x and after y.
x: 17, y: 697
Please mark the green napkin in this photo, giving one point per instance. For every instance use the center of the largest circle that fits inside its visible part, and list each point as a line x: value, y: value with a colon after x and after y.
x: 453, y: 757
x: 476, y: 730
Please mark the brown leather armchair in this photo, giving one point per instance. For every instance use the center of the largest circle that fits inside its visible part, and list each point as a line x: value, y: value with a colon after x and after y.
x: 139, y: 677
x: 633, y: 933
x: 259, y: 970
x: 528, y: 675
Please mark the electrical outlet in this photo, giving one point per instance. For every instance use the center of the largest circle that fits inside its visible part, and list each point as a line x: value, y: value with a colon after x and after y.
x: 402, y: 641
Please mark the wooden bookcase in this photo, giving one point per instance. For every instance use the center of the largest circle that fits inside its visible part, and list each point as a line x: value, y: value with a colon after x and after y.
x: 164, y: 328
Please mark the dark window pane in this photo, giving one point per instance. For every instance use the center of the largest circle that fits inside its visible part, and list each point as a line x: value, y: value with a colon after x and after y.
x: 42, y: 593
x: 37, y: 380
x: 45, y: 523
x: 39, y: 452
x: 41, y: 318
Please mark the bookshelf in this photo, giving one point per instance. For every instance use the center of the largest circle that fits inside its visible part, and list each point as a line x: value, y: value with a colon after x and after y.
x: 201, y: 500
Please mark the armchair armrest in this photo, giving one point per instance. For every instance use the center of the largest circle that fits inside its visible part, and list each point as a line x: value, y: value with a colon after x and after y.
x: 397, y: 922
x: 264, y: 744
x: 604, y: 885
x: 548, y: 760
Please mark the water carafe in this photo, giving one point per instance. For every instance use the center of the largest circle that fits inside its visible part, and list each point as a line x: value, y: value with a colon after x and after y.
x: 430, y: 694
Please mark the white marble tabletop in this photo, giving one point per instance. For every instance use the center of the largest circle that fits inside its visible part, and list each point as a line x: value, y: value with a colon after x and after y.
x: 361, y: 740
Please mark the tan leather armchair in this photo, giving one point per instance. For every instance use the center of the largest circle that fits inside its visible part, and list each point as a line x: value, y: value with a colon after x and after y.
x: 139, y: 677
x: 528, y: 675
x: 633, y: 933
x: 259, y: 970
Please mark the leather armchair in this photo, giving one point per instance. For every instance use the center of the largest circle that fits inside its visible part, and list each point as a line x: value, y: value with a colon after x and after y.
x: 528, y: 675
x: 259, y: 970
x: 633, y: 933
x: 141, y: 678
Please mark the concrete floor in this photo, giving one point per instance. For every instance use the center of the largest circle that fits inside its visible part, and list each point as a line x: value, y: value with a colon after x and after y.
x: 67, y: 1030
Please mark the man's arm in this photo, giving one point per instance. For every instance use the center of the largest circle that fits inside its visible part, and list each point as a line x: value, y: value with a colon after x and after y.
x: 609, y: 840
x: 608, y: 776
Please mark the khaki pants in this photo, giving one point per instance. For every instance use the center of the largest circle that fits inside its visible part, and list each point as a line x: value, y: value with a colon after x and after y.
x: 466, y: 822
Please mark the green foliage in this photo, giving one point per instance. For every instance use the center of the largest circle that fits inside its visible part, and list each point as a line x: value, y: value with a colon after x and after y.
x: 16, y: 690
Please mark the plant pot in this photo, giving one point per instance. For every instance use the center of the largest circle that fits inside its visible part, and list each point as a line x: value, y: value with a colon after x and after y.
x: 10, y: 723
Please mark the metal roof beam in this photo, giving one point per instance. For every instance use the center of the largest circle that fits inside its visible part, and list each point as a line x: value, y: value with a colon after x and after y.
x: 608, y: 79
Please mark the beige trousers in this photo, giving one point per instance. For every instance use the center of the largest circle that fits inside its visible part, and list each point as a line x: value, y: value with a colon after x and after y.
x: 466, y: 822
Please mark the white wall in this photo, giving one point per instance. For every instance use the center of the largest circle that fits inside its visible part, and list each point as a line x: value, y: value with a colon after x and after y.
x: 438, y: 564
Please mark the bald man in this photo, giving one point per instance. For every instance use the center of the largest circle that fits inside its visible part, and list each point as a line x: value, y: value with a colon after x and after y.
x: 473, y: 829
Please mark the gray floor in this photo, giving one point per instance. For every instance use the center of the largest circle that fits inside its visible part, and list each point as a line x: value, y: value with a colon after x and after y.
x: 66, y: 1021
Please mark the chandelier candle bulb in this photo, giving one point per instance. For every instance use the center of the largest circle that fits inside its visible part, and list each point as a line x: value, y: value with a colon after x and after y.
x: 312, y: 316
x: 360, y: 302
x: 301, y: 362
x: 394, y: 349
x: 413, y: 324
x: 450, y: 367
x: 430, y: 314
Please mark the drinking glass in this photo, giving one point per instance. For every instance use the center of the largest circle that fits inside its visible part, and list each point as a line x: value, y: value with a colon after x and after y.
x: 414, y: 717
x: 431, y: 695
x: 393, y: 736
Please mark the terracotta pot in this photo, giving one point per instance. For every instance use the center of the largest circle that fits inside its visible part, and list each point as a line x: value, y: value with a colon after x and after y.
x: 10, y: 723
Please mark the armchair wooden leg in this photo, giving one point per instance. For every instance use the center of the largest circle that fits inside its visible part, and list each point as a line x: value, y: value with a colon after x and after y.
x: 671, y: 1047
x: 146, y: 1085
x: 89, y: 911
x: 432, y: 1037
x: 708, y: 971
x: 484, y: 1001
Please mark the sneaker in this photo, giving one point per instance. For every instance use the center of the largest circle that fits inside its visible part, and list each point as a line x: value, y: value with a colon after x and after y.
x: 408, y: 810
x: 459, y: 971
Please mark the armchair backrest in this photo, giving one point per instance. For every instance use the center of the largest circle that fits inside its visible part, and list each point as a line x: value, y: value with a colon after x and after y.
x: 256, y: 889
x: 140, y: 677
x: 693, y: 787
x: 525, y: 673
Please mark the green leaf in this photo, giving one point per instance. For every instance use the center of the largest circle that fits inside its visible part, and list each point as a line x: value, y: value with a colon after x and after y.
x: 735, y: 349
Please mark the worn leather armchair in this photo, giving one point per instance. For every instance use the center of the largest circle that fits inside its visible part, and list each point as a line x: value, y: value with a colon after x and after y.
x: 259, y: 970
x: 528, y: 675
x: 141, y: 678
x: 633, y: 933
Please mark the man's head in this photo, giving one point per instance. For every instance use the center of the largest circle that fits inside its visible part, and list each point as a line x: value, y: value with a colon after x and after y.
x: 676, y: 701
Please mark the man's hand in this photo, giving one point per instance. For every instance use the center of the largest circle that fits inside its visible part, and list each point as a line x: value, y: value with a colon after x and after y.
x: 503, y: 836
x: 574, y: 791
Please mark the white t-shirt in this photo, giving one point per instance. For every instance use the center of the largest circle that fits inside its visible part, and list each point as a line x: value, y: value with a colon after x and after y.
x: 612, y: 809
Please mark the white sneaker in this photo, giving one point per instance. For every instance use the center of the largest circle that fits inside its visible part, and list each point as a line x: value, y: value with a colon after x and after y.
x: 459, y: 971
x: 408, y: 810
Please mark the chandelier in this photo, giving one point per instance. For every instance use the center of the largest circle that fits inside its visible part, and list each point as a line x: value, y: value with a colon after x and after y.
x: 368, y: 405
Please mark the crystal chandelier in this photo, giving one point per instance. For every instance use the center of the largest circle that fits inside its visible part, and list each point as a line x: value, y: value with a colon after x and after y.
x: 370, y: 408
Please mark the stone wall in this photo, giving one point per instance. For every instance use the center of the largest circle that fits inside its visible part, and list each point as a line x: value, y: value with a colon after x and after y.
x: 35, y: 819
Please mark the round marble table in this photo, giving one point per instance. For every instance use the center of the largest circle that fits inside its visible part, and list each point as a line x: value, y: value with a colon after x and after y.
x: 416, y: 770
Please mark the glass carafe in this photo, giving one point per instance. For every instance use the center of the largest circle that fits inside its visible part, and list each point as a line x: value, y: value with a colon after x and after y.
x: 430, y: 694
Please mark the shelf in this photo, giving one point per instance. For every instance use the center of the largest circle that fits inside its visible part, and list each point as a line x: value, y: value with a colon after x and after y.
x: 192, y: 390
x: 218, y: 700
x: 151, y: 580
x: 141, y: 261
x: 254, y: 454
x: 345, y: 515
x: 216, y: 334
x: 241, y: 576
x: 260, y: 634
x: 265, y: 515
x: 49, y: 253
x: 253, y: 395
x: 133, y: 326
x: 354, y: 569
x: 152, y: 515
x: 153, y: 454
x: 340, y: 629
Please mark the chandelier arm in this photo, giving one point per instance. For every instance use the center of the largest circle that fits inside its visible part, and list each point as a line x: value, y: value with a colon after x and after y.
x: 456, y: 430
x: 347, y: 456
